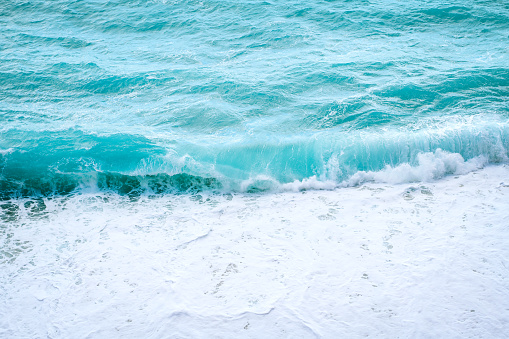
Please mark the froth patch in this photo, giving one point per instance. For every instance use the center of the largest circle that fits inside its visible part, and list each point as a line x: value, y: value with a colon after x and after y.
x: 430, y: 166
x: 339, y: 263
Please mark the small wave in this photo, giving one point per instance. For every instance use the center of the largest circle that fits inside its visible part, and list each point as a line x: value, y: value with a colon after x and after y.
x: 63, y: 162
x: 429, y: 166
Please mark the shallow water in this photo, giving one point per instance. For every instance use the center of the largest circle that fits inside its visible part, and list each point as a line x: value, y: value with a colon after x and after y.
x: 409, y: 260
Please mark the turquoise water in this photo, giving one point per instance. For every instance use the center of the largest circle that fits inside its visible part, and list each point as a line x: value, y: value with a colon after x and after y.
x: 176, y: 96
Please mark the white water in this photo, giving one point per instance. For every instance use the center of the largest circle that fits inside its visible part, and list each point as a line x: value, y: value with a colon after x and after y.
x: 417, y: 260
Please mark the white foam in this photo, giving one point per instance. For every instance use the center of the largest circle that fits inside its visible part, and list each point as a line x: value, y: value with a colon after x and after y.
x: 377, y: 260
x: 430, y: 166
x: 312, y: 183
x: 4, y: 152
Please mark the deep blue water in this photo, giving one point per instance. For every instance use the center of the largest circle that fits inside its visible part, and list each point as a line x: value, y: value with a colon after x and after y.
x: 175, y: 96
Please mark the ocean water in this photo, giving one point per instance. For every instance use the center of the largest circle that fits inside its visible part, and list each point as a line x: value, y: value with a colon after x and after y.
x: 171, y: 96
x: 130, y: 128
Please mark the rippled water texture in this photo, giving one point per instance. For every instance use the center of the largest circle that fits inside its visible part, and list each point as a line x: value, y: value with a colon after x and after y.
x: 245, y: 95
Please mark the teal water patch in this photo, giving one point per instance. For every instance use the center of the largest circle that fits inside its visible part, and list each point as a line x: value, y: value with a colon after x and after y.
x: 133, y: 186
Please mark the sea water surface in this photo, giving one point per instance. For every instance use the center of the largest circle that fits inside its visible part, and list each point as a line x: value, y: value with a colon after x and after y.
x: 105, y: 105
x: 168, y: 96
